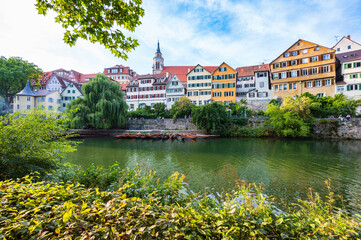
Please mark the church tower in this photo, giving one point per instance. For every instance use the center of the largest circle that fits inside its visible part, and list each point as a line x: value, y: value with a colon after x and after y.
x: 158, y: 61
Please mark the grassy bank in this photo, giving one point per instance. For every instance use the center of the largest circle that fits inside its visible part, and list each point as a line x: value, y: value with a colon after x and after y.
x: 99, y: 203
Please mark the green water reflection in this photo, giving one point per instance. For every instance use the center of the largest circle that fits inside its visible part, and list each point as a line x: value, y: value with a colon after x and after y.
x: 287, y: 167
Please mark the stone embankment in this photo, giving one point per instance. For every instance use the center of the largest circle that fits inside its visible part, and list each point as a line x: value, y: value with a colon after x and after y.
x: 337, y: 129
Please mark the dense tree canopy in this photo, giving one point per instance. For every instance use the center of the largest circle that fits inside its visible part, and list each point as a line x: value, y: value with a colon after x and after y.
x: 103, y: 105
x: 212, y: 117
x: 102, y: 22
x: 14, y: 72
x: 27, y: 143
x: 181, y: 108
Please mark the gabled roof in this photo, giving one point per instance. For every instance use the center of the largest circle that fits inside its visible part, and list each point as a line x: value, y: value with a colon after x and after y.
x: 154, y: 76
x: 349, y: 38
x: 315, y: 45
x: 83, y: 77
x: 184, y: 84
x: 349, y: 56
x: 221, y: 65
x: 125, y: 70
x: 26, y: 91
x: 209, y: 69
x: 180, y: 71
x: 250, y: 70
x: 76, y: 85
x: 42, y: 93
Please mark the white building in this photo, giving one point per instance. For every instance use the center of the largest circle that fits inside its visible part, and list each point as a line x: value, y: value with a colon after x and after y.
x: 71, y: 92
x: 253, y: 83
x: 147, y: 90
x: 346, y: 45
x: 175, y: 89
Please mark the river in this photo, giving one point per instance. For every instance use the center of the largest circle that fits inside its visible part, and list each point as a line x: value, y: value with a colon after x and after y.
x: 287, y: 167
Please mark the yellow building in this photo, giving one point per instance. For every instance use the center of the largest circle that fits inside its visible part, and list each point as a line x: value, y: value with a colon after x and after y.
x: 224, y: 84
x: 304, y: 67
x: 199, y: 84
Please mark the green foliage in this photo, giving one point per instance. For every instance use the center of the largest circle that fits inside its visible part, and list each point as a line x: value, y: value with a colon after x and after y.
x: 102, y: 22
x: 31, y: 141
x: 160, y: 109
x: 103, y: 105
x: 212, y: 117
x: 292, y: 119
x: 182, y: 107
x: 332, y: 106
x: 14, y: 72
x: 145, y: 208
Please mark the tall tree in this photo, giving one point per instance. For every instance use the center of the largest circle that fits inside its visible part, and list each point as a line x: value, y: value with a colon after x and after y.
x: 101, y: 22
x: 14, y: 72
x: 103, y: 105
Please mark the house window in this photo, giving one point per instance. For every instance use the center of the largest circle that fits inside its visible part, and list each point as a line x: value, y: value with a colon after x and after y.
x: 309, y: 84
x: 50, y: 100
x: 314, y: 70
x: 18, y: 107
x: 284, y: 86
x: 284, y: 64
x: 338, y: 49
x: 28, y: 99
x: 287, y: 54
x: 283, y: 75
x: 58, y: 101
x: 318, y: 83
x: 28, y: 107
x: 17, y: 98
x: 326, y: 57
x: 294, y: 53
x: 304, y: 51
x: 304, y: 60
x: 290, y: 86
x: 73, y: 91
x: 328, y: 82
x: 352, y: 76
x: 340, y: 88
x: 275, y: 76
x: 223, y: 69
x: 190, y: 94
x: 293, y: 62
x: 317, y: 48
x: 276, y: 65
x: 356, y: 64
x: 304, y: 72
x: 261, y: 84
x: 295, y: 86
x: 294, y: 73
x: 64, y: 105
x: 325, y: 69
x: 280, y: 87
x: 349, y: 47
x: 347, y: 65
x: 320, y: 95
x: 276, y: 87
x: 315, y: 59
x: 50, y: 107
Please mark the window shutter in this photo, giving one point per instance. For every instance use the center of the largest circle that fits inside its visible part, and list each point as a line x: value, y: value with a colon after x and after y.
x: 309, y: 71
x: 313, y: 84
x: 320, y: 70
x: 305, y: 84
x: 331, y: 68
x: 323, y: 83
x: 332, y: 81
x: 331, y: 56
x: 279, y: 75
x: 348, y: 87
x: 298, y: 73
x: 354, y: 64
x: 345, y: 66
x: 350, y: 76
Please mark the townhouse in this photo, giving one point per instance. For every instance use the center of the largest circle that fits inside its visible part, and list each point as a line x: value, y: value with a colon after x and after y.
x: 175, y: 89
x: 119, y: 73
x: 224, y: 84
x: 199, y: 84
x: 146, y: 90
x: 304, y: 67
x: 71, y: 92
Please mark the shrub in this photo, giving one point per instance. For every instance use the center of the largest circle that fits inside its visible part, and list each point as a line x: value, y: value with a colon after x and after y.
x: 32, y: 141
x: 182, y: 107
x: 142, y: 208
x: 211, y: 117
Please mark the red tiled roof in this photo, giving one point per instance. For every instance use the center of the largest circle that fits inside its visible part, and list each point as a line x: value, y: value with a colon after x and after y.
x: 160, y: 75
x: 124, y: 86
x: 83, y: 77
x: 180, y: 71
x: 250, y: 70
x: 126, y: 70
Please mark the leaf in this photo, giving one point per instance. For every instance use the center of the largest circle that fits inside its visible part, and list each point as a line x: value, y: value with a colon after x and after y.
x: 67, y: 215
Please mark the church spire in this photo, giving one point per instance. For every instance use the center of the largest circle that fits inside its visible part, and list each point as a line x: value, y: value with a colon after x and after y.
x: 158, y: 49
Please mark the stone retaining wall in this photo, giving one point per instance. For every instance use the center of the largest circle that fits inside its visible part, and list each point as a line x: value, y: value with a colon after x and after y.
x: 337, y: 129
x: 164, y: 124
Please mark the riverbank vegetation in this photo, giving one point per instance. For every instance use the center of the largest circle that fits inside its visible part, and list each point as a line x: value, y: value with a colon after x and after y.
x: 138, y: 205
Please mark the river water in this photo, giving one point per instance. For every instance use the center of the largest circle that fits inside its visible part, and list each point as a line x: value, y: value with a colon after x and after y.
x: 287, y: 167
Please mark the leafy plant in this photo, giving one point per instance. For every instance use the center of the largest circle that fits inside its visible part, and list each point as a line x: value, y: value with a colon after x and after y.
x: 211, y: 117
x: 182, y: 107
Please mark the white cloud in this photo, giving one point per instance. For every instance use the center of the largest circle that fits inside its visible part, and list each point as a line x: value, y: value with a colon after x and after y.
x: 190, y: 32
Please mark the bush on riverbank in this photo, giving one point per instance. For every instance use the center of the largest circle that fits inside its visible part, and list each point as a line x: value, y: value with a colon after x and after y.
x: 143, y: 207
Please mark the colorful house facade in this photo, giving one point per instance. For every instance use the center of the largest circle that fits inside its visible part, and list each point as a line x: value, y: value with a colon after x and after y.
x: 199, y: 84
x: 71, y: 92
x: 175, y: 89
x: 224, y: 84
x: 120, y: 74
x: 304, y: 67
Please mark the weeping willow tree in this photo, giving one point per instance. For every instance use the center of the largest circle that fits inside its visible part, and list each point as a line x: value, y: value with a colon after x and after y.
x: 103, y: 105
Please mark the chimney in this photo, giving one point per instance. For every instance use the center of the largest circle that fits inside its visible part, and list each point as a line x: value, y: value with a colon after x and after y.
x: 189, y: 69
x: 348, y: 37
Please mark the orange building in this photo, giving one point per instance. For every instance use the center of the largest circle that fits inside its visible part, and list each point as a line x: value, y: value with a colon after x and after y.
x: 224, y: 84
x: 304, y: 67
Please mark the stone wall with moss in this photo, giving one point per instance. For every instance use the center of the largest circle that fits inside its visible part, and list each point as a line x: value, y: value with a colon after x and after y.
x: 337, y: 129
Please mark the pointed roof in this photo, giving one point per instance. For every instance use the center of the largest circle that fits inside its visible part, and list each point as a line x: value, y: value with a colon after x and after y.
x: 209, y: 69
x: 26, y: 91
x: 346, y: 37
x: 180, y: 71
x: 158, y: 49
x: 250, y: 70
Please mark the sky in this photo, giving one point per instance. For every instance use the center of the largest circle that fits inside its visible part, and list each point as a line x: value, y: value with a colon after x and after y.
x: 190, y: 32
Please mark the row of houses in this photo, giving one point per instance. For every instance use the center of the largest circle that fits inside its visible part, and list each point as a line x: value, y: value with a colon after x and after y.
x: 303, y: 67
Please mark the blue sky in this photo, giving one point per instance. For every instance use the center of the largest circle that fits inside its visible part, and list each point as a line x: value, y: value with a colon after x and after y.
x: 207, y: 32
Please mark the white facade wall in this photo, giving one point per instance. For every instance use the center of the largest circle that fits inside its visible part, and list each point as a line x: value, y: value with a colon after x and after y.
x: 144, y: 92
x: 346, y: 45
x: 244, y: 85
x: 254, y: 88
x: 199, y: 86
x: 351, y: 72
x: 54, y: 84
x: 70, y: 93
x: 175, y: 90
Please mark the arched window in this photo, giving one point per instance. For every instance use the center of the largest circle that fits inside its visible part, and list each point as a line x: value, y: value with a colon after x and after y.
x: 50, y: 100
